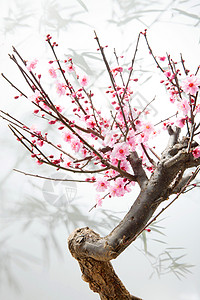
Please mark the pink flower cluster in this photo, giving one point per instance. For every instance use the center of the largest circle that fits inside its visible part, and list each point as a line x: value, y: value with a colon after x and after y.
x: 100, y: 143
x: 190, y: 86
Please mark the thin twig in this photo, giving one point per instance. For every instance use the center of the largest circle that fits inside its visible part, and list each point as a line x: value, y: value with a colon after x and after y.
x: 65, y: 79
x: 13, y: 85
x: 131, y: 68
x: 117, y: 59
x: 147, y: 155
x: 144, y: 109
x: 112, y: 80
x: 50, y: 178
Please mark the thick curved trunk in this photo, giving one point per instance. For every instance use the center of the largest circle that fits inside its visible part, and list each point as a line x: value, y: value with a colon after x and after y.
x: 94, y: 252
x: 100, y: 275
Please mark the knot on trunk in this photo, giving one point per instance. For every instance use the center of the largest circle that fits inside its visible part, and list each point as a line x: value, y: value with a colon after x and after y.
x: 99, y: 274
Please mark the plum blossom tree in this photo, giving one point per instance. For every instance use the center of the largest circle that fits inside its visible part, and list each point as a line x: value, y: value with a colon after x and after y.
x: 112, y: 149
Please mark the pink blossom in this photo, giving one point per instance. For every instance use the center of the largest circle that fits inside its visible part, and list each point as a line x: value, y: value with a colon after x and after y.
x: 120, y: 115
x: 68, y: 136
x: 120, y: 151
x: 52, y: 72
x: 143, y: 137
x: 172, y: 99
x: 84, y: 81
x: 191, y: 85
x: 138, y: 124
x: 127, y: 188
x: 34, y: 130
x: 167, y: 73
x: 68, y: 164
x: 124, y: 165
x: 116, y: 70
x: 111, y: 173
x: 40, y: 143
x: 119, y: 69
x: 113, y: 191
x: 166, y: 124
x: 59, y: 108
x: 131, y: 142
x: 45, y: 106
x: 101, y: 185
x: 84, y: 152
x: 196, y: 152
x: 99, y: 200
x: 180, y: 122
x: 147, y: 128
x: 60, y: 88
x: 197, y: 108
x: 56, y: 161
x: 118, y: 188
x: 70, y: 68
x: 31, y: 64
x: 35, y: 96
x: 114, y: 161
x: 75, y: 144
x: 90, y: 121
x: 162, y: 58
x: 183, y: 106
x: 52, y: 122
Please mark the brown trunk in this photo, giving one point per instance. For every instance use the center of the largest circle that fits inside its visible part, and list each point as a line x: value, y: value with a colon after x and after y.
x: 100, y: 275
x: 94, y: 252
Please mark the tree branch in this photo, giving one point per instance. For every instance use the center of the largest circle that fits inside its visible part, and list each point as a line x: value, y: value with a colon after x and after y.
x: 136, y: 164
x: 154, y: 190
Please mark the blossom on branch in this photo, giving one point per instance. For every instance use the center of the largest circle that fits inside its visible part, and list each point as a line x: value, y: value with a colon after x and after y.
x: 31, y: 64
x: 52, y: 72
x: 118, y: 189
x: 191, y: 85
x: 84, y: 81
x: 183, y: 106
x: 120, y: 151
x: 60, y: 88
x: 70, y: 68
x: 35, y: 97
x: 196, y: 152
x: 101, y: 142
x: 180, y: 122
x: 101, y: 185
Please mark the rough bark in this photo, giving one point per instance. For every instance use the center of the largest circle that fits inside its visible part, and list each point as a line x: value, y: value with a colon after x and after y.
x: 100, y: 275
x: 94, y: 252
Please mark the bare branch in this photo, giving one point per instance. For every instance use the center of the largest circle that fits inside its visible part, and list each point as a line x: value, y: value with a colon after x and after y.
x: 50, y: 178
x: 13, y: 85
x: 112, y: 80
x: 136, y: 164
